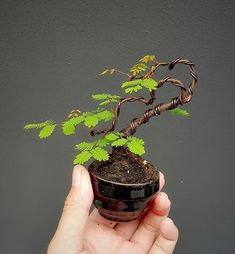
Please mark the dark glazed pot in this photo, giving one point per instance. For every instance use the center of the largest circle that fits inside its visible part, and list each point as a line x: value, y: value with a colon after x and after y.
x: 122, y: 202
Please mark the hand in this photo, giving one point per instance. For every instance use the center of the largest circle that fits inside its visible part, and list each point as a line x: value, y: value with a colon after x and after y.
x: 78, y: 232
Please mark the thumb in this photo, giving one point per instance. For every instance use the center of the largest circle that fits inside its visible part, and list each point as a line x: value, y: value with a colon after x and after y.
x: 70, y: 231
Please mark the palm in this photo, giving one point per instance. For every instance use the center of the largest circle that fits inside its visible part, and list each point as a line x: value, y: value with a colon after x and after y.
x: 139, y: 237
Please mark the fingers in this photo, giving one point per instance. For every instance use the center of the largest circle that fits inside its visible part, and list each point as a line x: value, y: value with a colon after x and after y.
x: 149, y: 227
x: 126, y: 230
x: 166, y: 241
x: 73, y: 221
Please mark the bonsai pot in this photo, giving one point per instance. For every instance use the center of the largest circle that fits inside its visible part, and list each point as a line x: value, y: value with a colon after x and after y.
x: 120, y: 201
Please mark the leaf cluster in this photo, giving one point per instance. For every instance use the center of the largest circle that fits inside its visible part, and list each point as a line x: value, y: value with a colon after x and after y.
x: 98, y: 151
x: 105, y: 98
x: 88, y: 119
x: 138, y: 84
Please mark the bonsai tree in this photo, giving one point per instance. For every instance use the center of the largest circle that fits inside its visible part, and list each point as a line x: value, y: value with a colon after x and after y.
x: 140, y: 77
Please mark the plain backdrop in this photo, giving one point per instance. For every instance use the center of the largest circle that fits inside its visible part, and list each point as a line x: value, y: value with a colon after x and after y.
x: 50, y: 55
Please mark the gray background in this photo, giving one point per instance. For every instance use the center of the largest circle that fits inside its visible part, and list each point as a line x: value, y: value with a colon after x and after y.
x: 51, y: 52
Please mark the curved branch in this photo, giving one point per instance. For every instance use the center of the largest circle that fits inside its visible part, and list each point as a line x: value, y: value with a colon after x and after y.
x: 184, y: 97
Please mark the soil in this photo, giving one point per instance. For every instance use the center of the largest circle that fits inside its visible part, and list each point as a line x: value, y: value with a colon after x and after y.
x: 124, y: 167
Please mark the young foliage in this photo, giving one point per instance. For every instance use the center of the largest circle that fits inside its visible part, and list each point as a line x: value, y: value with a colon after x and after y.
x: 179, y: 112
x: 136, y: 145
x: 111, y: 137
x: 46, y: 127
x: 47, y: 130
x: 85, y: 146
x: 119, y: 142
x: 82, y: 157
x: 138, y: 84
x: 105, y: 115
x: 108, y: 71
x: 98, y: 149
x: 106, y: 98
x: 38, y: 125
x: 138, y: 68
x: 91, y: 120
x: 149, y: 84
x: 100, y: 154
x: 68, y: 128
x: 147, y: 58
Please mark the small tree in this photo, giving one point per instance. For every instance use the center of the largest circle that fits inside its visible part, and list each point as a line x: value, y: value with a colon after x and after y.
x: 140, y: 77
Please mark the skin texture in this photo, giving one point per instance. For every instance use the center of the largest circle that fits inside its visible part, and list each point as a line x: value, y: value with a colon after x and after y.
x: 78, y: 232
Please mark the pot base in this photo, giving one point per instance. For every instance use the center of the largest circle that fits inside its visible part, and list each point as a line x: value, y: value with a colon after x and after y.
x: 121, y: 216
x: 123, y: 202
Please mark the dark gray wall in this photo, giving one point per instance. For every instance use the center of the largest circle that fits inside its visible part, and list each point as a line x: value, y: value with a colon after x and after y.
x: 51, y: 52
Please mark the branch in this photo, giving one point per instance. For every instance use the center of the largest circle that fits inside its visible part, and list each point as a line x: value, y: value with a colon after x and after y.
x: 184, y: 97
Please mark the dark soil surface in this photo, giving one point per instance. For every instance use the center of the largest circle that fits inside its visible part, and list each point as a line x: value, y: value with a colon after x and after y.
x: 124, y: 167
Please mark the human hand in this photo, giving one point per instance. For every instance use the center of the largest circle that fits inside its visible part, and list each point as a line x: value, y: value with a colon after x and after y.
x: 81, y: 233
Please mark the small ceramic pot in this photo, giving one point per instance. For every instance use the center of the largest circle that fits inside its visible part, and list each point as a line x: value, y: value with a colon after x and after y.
x: 122, y: 202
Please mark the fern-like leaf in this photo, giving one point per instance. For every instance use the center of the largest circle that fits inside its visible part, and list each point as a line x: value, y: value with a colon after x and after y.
x: 91, y: 120
x: 133, y: 89
x: 104, y: 96
x: 137, y: 68
x: 119, y: 142
x: 85, y: 146
x: 131, y: 83
x: 100, y: 154
x: 147, y: 58
x: 105, y: 115
x: 179, y: 112
x: 102, y: 142
x: 82, y: 157
x: 149, y: 84
x: 111, y: 136
x: 136, y: 145
x: 46, y: 131
x: 68, y: 128
x: 38, y: 125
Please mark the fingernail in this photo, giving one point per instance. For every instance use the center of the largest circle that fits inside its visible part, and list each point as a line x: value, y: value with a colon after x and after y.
x: 76, y: 178
x: 169, y: 221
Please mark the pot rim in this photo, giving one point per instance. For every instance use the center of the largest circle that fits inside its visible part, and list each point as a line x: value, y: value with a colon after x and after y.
x: 127, y: 184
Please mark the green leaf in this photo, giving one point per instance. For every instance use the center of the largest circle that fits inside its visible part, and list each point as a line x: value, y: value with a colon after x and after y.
x: 140, y: 67
x: 68, y: 128
x: 111, y: 136
x: 131, y: 83
x: 76, y: 120
x: 85, y: 146
x: 47, y: 131
x: 139, y: 140
x: 150, y: 84
x: 105, y: 115
x: 106, y: 102
x: 147, y: 58
x: 100, y: 154
x: 104, y: 96
x: 179, y: 112
x: 91, y: 120
x: 119, y: 142
x: 102, y: 142
x: 133, y: 89
x: 82, y: 157
x: 38, y: 125
x: 136, y: 145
